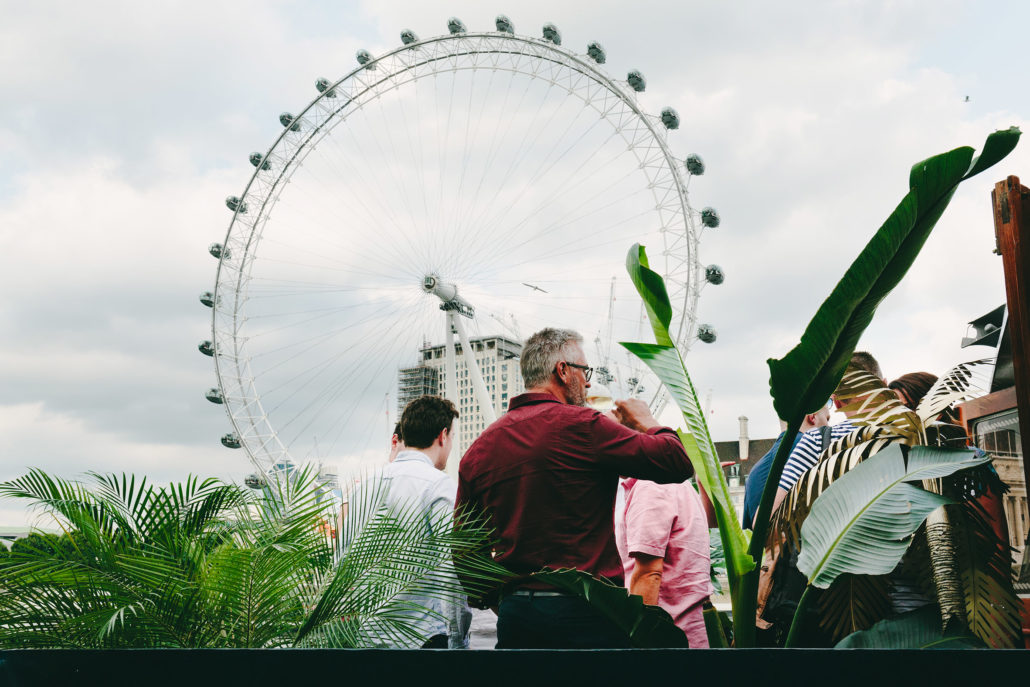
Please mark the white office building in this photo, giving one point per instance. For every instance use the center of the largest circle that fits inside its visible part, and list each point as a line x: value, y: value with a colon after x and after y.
x: 498, y: 359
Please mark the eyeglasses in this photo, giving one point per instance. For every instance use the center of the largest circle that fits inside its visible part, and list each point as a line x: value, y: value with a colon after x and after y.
x: 587, y: 371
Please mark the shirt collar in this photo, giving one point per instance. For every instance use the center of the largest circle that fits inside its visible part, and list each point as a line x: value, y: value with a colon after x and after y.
x: 531, y: 399
x: 410, y: 454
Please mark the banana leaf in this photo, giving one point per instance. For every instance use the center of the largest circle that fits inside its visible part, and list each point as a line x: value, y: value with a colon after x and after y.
x: 801, y: 381
x: 853, y: 603
x: 865, y: 521
x: 984, y: 563
x: 665, y: 361
x: 920, y: 629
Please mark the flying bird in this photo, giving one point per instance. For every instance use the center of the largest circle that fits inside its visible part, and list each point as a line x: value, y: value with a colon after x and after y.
x: 535, y: 288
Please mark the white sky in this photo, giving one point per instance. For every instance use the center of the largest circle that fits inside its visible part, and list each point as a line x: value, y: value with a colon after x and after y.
x: 124, y: 125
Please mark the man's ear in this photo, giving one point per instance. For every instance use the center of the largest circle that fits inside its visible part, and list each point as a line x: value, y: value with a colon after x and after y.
x: 811, y: 419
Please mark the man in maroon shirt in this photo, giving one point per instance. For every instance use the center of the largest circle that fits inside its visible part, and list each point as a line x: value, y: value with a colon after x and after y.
x: 544, y: 476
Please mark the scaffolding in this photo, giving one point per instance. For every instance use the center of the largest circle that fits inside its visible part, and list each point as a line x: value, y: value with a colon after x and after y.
x: 413, y: 382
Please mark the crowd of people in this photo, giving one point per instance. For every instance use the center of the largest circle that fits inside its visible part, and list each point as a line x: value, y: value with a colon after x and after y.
x: 566, y: 486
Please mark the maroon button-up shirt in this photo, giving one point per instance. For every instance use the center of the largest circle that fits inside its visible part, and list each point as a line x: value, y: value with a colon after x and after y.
x: 545, y: 476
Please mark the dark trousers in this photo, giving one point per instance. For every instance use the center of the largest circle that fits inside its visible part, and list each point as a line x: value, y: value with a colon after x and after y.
x: 555, y: 622
x: 436, y: 642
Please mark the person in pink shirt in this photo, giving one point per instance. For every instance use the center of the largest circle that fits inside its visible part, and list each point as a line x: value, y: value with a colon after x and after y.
x: 662, y: 537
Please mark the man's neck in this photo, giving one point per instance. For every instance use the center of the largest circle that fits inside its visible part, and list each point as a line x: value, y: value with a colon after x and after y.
x: 433, y: 453
x: 549, y: 388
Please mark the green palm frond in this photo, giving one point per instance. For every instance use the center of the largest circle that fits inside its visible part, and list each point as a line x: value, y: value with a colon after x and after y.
x: 390, y: 557
x: 853, y: 603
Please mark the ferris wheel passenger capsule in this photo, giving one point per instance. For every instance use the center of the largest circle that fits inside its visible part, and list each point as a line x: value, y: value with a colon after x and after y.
x: 636, y: 81
x: 230, y: 440
x: 714, y: 275
x: 455, y: 26
x: 254, y: 481
x: 218, y: 250
x: 215, y: 396
x: 364, y: 58
x: 408, y: 37
x: 695, y: 165
x: 208, y: 299
x: 323, y: 87
x: 706, y: 333
x: 596, y: 52
x: 207, y: 348
x: 710, y: 218
x: 670, y: 118
x: 236, y: 205
x: 289, y: 121
x: 551, y: 33
x: 504, y: 24
x: 259, y: 161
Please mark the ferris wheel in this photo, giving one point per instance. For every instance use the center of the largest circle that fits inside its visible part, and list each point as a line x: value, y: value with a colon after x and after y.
x: 467, y: 185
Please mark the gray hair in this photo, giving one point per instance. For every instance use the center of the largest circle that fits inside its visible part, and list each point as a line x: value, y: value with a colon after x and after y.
x: 543, y: 351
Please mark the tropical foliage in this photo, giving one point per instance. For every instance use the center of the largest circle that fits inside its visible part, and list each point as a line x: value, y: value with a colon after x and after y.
x: 957, y: 548
x: 802, y: 380
x: 207, y: 564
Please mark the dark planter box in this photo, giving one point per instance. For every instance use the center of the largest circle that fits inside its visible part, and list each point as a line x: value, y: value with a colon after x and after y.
x: 304, y: 667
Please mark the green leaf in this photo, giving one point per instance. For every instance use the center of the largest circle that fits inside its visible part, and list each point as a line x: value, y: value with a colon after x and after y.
x: 717, y: 626
x: 863, y: 523
x: 665, y: 361
x: 802, y: 380
x: 998, y: 145
x: 648, y: 627
x: 984, y: 564
x: 919, y: 629
x: 651, y: 288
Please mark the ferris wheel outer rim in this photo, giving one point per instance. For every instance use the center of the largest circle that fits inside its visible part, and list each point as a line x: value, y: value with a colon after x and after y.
x: 582, y: 64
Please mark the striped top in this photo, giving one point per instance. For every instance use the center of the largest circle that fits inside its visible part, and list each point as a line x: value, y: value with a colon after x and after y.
x: 806, y: 453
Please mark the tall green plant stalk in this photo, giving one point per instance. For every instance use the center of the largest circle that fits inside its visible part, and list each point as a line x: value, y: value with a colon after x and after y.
x: 667, y: 364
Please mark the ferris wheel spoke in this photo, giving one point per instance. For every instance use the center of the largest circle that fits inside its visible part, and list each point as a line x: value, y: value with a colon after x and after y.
x: 379, y: 187
x: 533, y: 180
x: 524, y: 149
x: 555, y: 195
x: 331, y: 390
x: 315, y: 373
x: 464, y: 225
x: 496, y: 144
x: 549, y: 229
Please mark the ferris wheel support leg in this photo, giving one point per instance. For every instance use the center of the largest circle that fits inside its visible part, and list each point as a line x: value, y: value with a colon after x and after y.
x: 486, y: 404
x: 452, y: 368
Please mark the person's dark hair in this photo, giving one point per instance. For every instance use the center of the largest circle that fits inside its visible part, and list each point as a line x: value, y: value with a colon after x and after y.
x: 397, y: 432
x: 424, y: 418
x: 913, y: 386
x: 865, y: 361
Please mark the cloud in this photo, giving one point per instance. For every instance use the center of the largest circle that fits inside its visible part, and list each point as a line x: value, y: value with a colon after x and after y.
x: 124, y: 125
